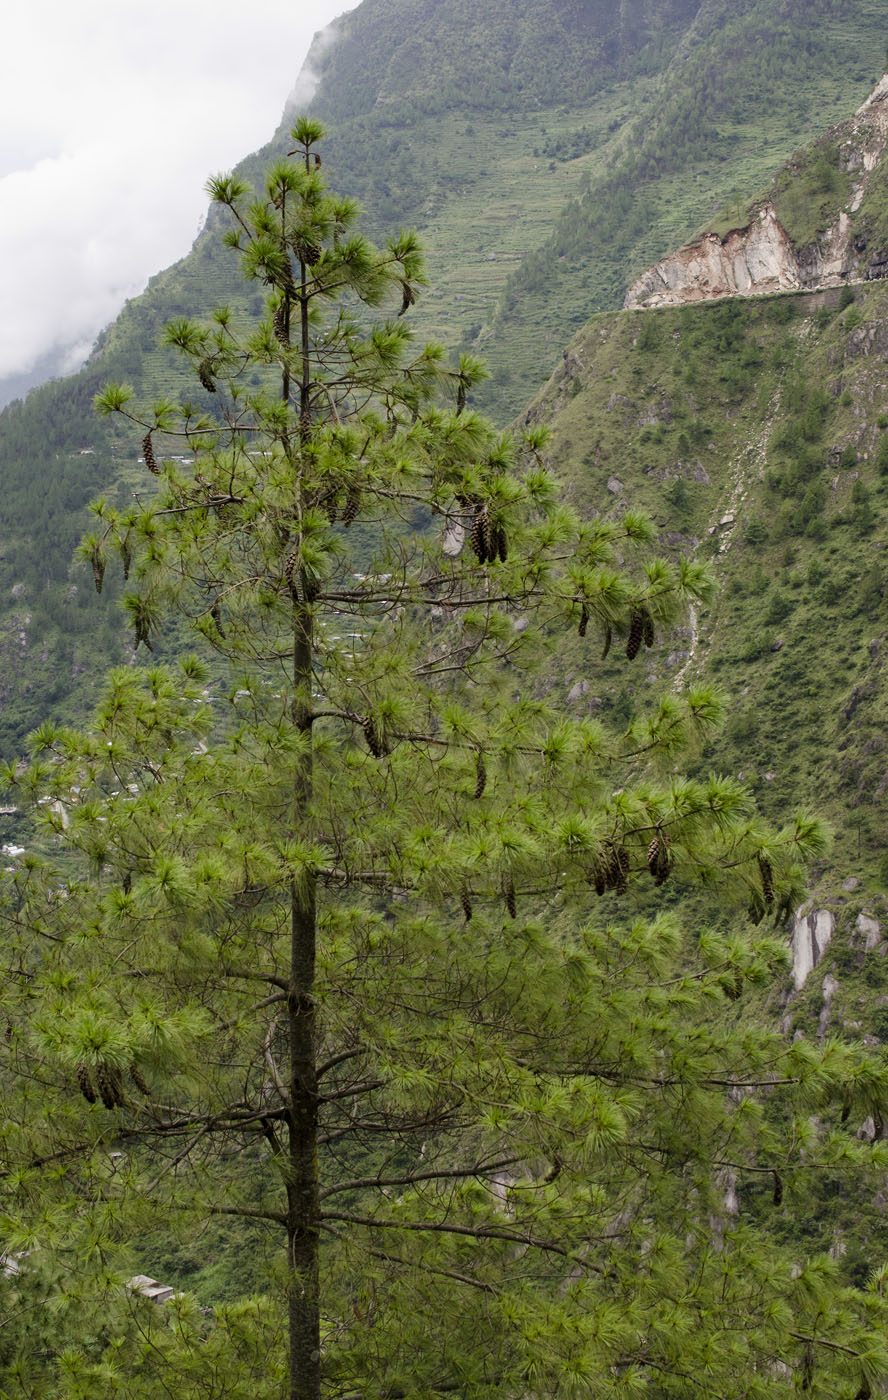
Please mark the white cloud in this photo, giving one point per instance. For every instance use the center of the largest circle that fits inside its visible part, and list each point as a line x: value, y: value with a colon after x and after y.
x: 112, y: 116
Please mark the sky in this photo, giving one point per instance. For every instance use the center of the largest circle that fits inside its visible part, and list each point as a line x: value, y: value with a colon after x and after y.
x: 113, y: 113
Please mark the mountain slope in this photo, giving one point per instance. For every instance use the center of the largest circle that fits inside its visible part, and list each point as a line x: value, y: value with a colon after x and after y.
x: 490, y: 153
x: 756, y: 433
x: 823, y: 222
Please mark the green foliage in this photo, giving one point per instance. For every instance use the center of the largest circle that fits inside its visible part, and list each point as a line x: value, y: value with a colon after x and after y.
x: 811, y: 192
x: 321, y: 948
x: 521, y: 255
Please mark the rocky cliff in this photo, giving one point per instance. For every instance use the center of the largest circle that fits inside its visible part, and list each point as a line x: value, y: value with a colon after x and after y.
x: 762, y: 257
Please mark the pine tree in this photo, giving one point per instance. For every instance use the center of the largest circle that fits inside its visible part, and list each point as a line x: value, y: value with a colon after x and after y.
x: 331, y: 897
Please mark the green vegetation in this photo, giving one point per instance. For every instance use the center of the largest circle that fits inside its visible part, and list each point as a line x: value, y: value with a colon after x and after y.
x: 811, y: 192
x: 559, y: 155
x: 320, y: 949
x: 519, y: 254
x: 763, y: 415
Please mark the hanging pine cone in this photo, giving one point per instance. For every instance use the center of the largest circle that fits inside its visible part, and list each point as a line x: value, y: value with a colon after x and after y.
x: 374, y: 743
x: 584, y: 621
x: 778, y: 1189
x: 311, y: 585
x: 480, y: 775
x: 509, y: 896
x: 216, y: 615
x: 97, y: 559
x: 647, y: 629
x: 139, y: 1080
x: 636, y: 633
x: 608, y: 638
x: 86, y: 1084
x: 460, y: 397
x: 864, y: 1392
x: 306, y: 251
x: 126, y: 555
x: 654, y: 856
x: 600, y: 882
x: 408, y: 297
x: 205, y: 377
x: 479, y: 535
x: 808, y: 1367
x: 289, y: 572
x: 279, y: 325
x: 846, y: 1107
x: 352, y: 506
x: 109, y: 1085
x: 331, y: 507
x: 767, y: 874
x: 615, y: 867
x: 140, y: 629
x: 500, y: 544
x: 148, y: 454
x: 466, y: 902
x: 659, y: 858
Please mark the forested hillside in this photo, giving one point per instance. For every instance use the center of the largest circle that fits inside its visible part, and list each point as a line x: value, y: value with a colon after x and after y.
x: 539, y: 187
x: 527, y: 927
x: 388, y: 953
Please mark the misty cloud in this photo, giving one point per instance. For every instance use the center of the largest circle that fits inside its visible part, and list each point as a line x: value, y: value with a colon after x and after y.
x: 110, y: 129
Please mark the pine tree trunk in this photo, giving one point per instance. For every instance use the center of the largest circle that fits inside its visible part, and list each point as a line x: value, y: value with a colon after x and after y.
x: 303, y: 1204
x: 303, y: 1201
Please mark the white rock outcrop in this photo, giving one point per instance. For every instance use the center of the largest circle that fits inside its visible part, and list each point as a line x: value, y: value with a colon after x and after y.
x: 760, y: 258
x: 809, y: 938
x: 869, y: 931
x: 830, y: 987
x: 748, y: 262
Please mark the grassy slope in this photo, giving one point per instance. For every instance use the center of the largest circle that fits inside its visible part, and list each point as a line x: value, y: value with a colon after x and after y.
x: 756, y: 433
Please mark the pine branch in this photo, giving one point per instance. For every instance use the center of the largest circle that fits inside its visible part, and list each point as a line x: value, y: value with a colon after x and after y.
x: 479, y: 1169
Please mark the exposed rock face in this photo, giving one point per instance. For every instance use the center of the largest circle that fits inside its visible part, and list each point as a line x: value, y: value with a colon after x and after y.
x: 809, y: 936
x: 830, y: 987
x: 868, y: 931
x: 760, y: 259
x: 749, y: 262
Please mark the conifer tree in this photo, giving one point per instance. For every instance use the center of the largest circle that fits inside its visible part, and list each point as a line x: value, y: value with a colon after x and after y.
x: 323, y: 948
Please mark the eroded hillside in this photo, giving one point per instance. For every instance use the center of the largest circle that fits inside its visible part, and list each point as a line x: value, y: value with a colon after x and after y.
x: 823, y: 222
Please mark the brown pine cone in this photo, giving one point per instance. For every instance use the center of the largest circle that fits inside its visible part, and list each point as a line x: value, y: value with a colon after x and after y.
x: 374, y: 743
x: 636, y: 633
x: 509, y: 895
x: 139, y: 1080
x: 767, y: 874
x: 86, y: 1085
x: 148, y: 454
x: 480, y: 775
